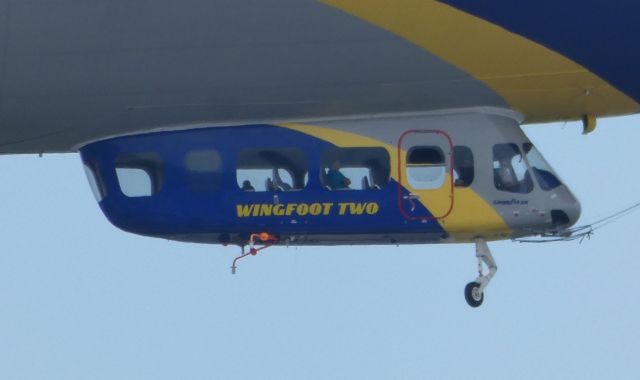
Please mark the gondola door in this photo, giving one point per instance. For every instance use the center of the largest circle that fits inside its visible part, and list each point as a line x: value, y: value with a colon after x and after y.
x: 425, y: 172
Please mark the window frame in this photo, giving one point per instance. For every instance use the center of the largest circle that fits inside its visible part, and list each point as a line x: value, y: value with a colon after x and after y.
x: 149, y: 162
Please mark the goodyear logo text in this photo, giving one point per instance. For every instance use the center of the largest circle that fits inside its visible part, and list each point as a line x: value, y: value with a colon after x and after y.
x: 307, y: 209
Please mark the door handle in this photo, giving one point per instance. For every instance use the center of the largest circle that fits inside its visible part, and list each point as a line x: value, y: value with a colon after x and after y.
x: 411, y: 198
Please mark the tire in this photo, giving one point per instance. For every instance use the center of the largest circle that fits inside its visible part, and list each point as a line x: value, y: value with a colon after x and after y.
x: 472, y: 294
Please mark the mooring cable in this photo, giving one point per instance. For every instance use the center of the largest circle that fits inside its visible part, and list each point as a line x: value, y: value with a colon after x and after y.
x: 580, y: 232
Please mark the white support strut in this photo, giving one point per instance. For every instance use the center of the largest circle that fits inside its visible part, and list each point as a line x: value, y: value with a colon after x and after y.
x: 484, y: 256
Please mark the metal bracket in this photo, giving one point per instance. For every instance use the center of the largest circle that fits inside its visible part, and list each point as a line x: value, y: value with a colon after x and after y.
x: 268, y: 240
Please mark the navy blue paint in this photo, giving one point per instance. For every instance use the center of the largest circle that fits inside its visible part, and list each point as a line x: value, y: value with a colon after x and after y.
x: 176, y: 210
x: 600, y: 35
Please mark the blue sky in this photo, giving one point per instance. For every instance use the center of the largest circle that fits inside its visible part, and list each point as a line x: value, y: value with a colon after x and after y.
x: 81, y: 299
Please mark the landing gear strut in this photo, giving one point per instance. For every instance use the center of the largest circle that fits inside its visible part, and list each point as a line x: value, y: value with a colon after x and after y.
x: 474, y: 291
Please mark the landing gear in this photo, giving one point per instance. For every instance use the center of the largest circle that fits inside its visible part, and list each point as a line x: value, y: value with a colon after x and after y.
x: 474, y: 291
x: 473, y: 295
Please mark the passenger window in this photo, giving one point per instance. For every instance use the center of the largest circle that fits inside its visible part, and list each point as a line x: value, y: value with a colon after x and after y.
x: 463, y: 170
x: 134, y: 182
x: 426, y: 167
x: 509, y: 169
x: 139, y: 174
x: 354, y: 168
x: 271, y: 170
x: 96, y: 184
x: 204, y: 170
x: 545, y: 176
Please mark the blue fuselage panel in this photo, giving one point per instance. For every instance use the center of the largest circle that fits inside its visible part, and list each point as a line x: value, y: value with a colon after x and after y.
x: 179, y: 210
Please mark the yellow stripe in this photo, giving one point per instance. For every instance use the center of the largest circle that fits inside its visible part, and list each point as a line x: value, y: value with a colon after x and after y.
x: 471, y: 216
x: 534, y: 80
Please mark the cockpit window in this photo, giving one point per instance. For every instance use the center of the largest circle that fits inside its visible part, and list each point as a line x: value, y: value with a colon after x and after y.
x: 271, y: 170
x: 139, y: 174
x: 360, y: 168
x: 509, y: 169
x: 542, y: 171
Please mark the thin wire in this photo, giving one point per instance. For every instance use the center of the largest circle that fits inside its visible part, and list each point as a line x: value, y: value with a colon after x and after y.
x: 618, y: 214
x: 581, y: 232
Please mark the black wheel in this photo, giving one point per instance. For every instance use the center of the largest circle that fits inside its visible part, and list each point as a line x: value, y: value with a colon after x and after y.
x: 473, y: 295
